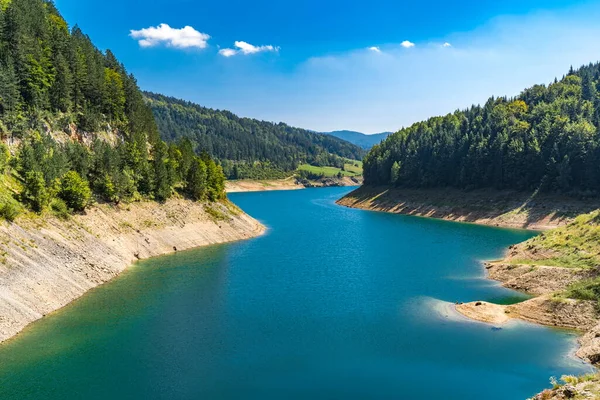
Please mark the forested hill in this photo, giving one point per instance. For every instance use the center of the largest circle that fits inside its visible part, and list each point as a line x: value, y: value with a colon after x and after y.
x: 360, y: 139
x: 244, y: 140
x: 548, y: 138
x: 74, y: 126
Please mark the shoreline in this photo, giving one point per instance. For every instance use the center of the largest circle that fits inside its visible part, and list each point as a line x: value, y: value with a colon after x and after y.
x: 539, y: 212
x: 545, y: 307
x: 251, y: 185
x: 507, y: 209
x: 46, y: 263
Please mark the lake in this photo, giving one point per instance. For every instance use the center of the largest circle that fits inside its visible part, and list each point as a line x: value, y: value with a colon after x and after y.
x: 331, y: 303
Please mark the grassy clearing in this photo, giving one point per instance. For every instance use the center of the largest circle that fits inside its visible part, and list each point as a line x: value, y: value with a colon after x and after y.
x: 351, y: 168
x: 576, y: 245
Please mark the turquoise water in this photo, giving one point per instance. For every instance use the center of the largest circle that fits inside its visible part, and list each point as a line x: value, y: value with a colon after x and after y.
x: 332, y: 303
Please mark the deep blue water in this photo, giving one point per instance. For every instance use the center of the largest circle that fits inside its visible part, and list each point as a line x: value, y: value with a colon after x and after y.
x: 332, y: 303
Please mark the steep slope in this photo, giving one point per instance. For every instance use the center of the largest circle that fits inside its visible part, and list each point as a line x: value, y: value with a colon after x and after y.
x: 360, y: 139
x: 239, y: 142
x: 47, y: 262
x: 86, y: 185
x: 74, y: 127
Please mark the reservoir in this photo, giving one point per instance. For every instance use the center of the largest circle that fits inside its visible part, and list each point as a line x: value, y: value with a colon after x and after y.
x: 331, y: 303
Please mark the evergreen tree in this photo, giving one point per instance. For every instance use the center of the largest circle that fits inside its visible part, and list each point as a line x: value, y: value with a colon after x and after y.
x: 197, y: 180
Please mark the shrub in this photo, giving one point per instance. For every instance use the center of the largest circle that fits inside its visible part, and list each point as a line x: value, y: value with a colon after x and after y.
x: 9, y: 211
x: 60, y: 209
x: 75, y: 191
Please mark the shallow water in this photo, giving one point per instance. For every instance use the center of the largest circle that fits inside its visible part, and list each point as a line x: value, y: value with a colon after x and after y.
x: 332, y: 303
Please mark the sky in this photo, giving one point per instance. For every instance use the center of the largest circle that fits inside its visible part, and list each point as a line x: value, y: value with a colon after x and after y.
x: 325, y: 65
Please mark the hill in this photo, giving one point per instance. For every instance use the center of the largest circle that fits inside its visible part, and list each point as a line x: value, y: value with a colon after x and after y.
x: 247, y: 148
x: 74, y: 128
x: 360, y: 139
x: 546, y: 138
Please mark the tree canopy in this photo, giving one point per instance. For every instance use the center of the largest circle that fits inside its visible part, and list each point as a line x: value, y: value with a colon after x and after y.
x: 247, y: 148
x: 77, y: 122
x: 546, y: 138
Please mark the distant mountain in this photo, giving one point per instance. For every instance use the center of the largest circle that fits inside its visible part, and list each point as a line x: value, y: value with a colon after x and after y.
x: 360, y: 139
x: 242, y: 143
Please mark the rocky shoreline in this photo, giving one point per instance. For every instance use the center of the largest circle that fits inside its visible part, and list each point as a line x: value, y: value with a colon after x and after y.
x: 46, y: 262
x: 288, y: 184
x: 547, y: 308
x: 507, y: 209
x: 546, y: 267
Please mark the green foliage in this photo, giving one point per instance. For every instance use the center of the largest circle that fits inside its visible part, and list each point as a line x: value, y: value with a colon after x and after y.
x: 215, y: 180
x: 75, y: 191
x: 113, y: 94
x: 53, y: 76
x: 546, y: 138
x: 588, y: 289
x: 35, y: 193
x: 316, y: 172
x: 4, y: 157
x: 256, y: 170
x: 243, y: 143
x: 10, y: 210
x: 60, y: 209
x: 576, y: 245
x: 197, y: 180
x: 162, y: 184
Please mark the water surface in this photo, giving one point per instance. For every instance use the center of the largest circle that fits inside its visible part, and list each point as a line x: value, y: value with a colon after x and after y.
x: 332, y: 303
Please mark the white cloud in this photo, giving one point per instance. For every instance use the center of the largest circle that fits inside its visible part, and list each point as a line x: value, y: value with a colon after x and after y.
x: 375, y: 49
x: 227, y: 52
x: 446, y: 45
x: 407, y: 45
x: 246, y: 49
x: 184, y: 38
x: 370, y: 92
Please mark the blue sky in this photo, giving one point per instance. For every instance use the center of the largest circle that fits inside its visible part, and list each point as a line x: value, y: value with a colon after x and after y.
x: 331, y: 64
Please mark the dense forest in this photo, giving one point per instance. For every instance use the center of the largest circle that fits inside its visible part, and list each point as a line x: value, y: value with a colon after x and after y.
x: 58, y: 92
x: 546, y: 138
x: 247, y: 148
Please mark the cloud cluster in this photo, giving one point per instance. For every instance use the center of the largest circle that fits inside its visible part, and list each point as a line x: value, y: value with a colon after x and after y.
x: 188, y: 37
x: 246, y: 49
x: 407, y: 44
x: 184, y: 38
x: 375, y: 49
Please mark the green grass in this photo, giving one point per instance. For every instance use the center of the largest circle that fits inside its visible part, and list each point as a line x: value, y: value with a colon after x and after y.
x: 588, y: 289
x: 576, y: 245
x: 352, y: 168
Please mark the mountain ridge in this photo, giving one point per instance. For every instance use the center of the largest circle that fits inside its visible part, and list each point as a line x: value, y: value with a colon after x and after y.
x: 363, y: 140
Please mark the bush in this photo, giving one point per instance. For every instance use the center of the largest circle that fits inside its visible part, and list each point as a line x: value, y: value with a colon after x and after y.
x: 75, y: 191
x: 9, y: 211
x: 60, y: 209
